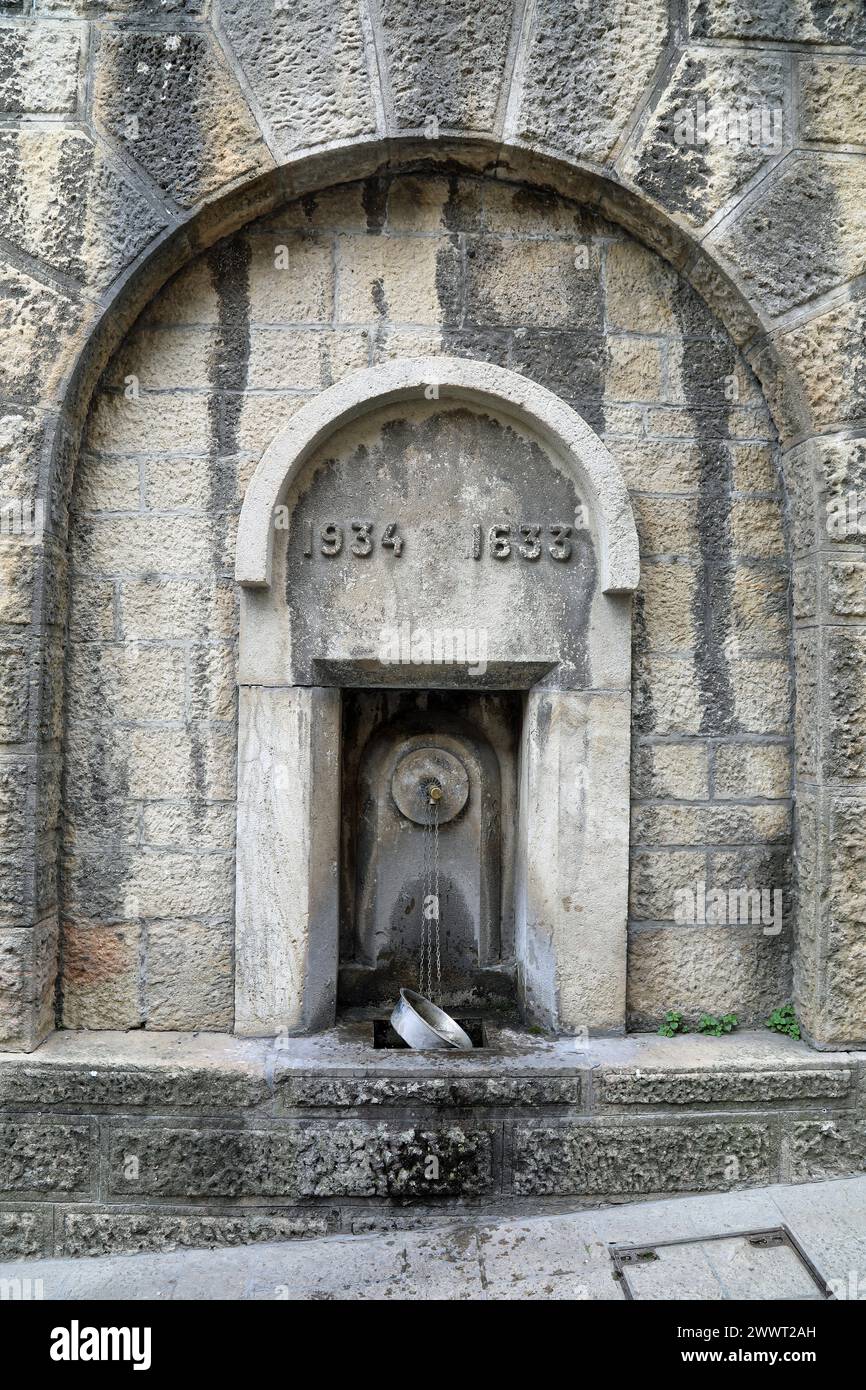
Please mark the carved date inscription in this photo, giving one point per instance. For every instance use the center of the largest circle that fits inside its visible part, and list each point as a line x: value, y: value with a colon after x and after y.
x: 502, y: 541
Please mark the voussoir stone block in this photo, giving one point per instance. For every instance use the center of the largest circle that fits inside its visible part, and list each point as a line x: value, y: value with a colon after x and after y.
x: 175, y: 107
x: 833, y: 101
x: 803, y: 236
x: 586, y: 67
x: 95, y: 221
x: 40, y: 1157
x: 40, y: 331
x: 313, y: 1161
x: 446, y: 63
x: 306, y: 66
x: 800, y: 21
x: 39, y: 68
x: 635, y: 1159
x: 720, y: 119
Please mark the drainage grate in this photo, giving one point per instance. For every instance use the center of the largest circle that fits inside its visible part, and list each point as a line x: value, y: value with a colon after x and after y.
x: 384, y: 1035
x: 768, y: 1264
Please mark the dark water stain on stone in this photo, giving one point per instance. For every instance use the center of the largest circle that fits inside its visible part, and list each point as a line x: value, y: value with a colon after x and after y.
x: 228, y: 368
x: 380, y: 303
x: 197, y: 762
x: 374, y: 200
x: 91, y: 882
x: 704, y: 369
x: 228, y: 371
x: 643, y: 709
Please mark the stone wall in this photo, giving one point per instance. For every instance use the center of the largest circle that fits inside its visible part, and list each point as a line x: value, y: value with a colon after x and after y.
x: 137, y: 1142
x: 211, y: 372
x: 134, y: 141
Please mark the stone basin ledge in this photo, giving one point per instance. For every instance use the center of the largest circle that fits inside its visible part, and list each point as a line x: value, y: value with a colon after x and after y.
x: 140, y: 1141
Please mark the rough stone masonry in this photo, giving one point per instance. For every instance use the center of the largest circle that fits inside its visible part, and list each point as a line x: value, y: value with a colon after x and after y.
x: 215, y: 210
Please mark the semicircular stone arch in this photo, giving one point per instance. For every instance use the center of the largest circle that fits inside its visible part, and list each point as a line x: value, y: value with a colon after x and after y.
x: 238, y: 344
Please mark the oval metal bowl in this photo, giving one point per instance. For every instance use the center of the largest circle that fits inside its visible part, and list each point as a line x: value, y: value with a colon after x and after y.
x: 423, y: 1026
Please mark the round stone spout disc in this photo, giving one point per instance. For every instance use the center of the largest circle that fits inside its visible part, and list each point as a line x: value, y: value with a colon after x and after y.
x: 421, y: 771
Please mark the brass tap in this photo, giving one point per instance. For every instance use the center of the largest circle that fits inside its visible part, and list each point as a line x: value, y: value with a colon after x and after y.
x: 435, y: 792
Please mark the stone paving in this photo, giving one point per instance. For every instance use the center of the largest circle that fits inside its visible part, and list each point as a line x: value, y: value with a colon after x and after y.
x: 548, y: 1257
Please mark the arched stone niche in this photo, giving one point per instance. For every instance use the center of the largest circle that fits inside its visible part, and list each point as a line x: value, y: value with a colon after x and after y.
x: 436, y: 524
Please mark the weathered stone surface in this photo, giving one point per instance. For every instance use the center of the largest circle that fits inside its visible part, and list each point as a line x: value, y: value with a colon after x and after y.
x: 752, y: 769
x: 846, y: 692
x: 96, y: 220
x: 27, y: 964
x: 828, y: 357
x: 721, y: 118
x: 445, y: 67
x: 706, y: 969
x: 833, y: 101
x: 820, y: 1149
x: 765, y: 868
x: 532, y: 284
x: 586, y: 66
x: 802, y: 236
x: 306, y: 66
x: 635, y: 371
x: 842, y: 939
x: 39, y: 1157
x: 313, y: 1161
x: 14, y: 775
x: 723, y: 825
x: 722, y: 1087
x: 656, y: 878
x: 677, y: 770
x: 39, y: 68
x: 535, y: 282
x: 804, y: 591
x: 25, y: 1234
x: 189, y: 979
x: 124, y: 1232
x: 16, y: 993
x: 115, y: 1086
x: 152, y: 607
x: 177, y: 110
x: 134, y: 682
x: 101, y: 975
x: 41, y: 326
x: 799, y: 20
x: 14, y: 693
x: 393, y: 280
x: 636, y: 1159
x: 846, y: 588
x: 440, y: 1091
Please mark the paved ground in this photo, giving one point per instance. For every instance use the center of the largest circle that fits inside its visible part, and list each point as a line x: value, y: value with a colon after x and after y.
x: 548, y: 1257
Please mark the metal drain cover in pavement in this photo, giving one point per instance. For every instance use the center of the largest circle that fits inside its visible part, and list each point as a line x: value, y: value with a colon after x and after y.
x: 747, y: 1264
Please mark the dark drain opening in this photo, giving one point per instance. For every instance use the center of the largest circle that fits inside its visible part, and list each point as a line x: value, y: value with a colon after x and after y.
x: 384, y: 1035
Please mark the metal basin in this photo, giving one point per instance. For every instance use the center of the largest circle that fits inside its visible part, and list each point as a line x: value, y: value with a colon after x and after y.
x: 423, y: 1026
